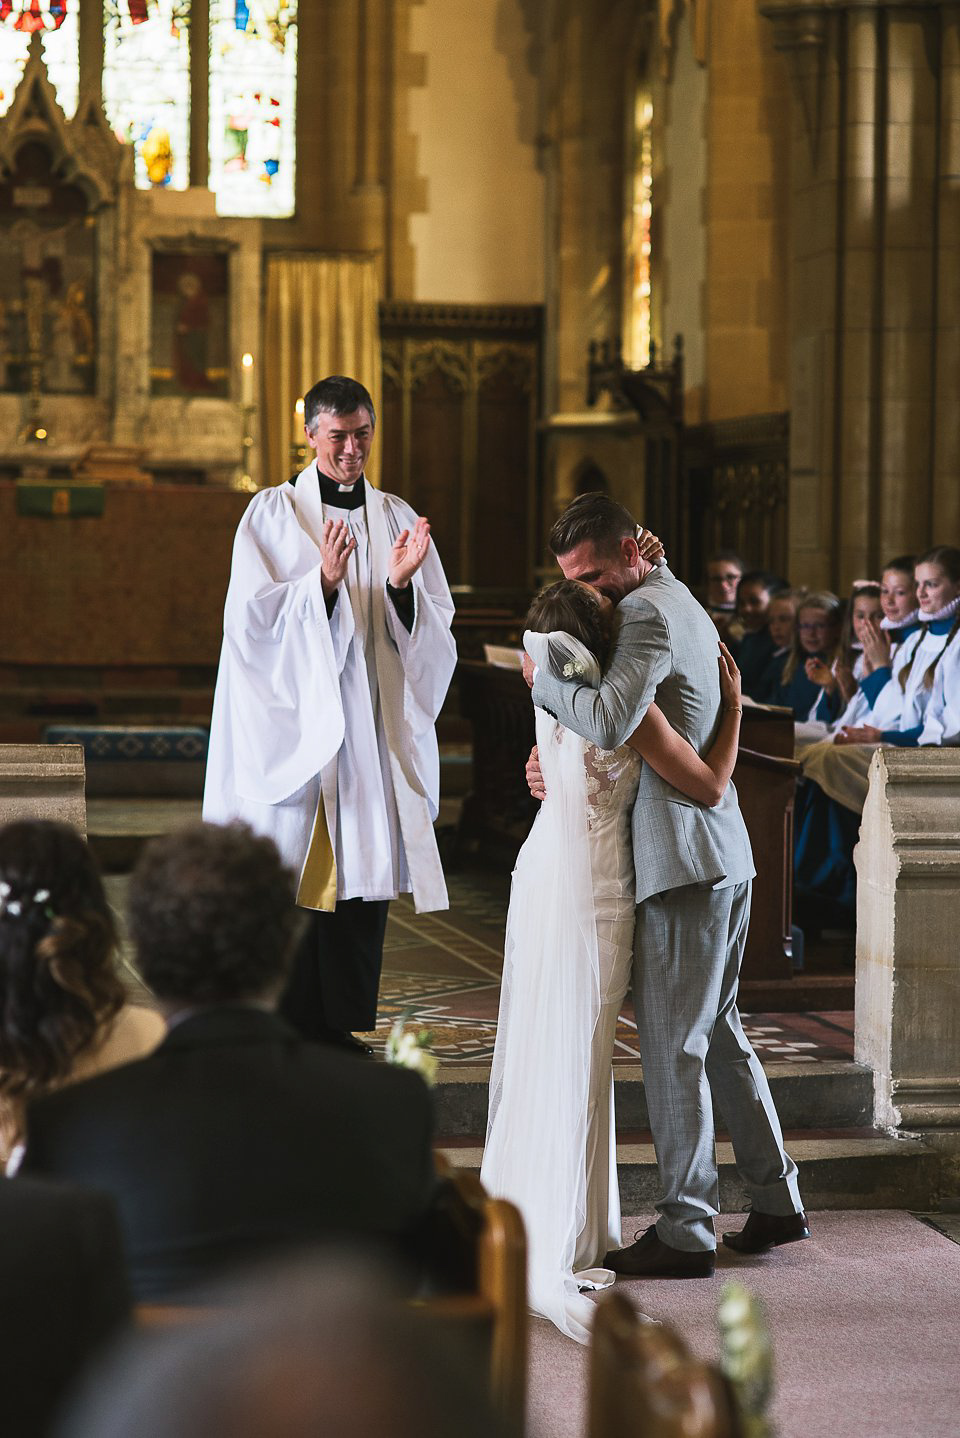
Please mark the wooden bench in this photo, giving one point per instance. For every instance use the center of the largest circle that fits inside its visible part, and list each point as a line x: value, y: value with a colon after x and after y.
x: 644, y: 1383
x: 492, y: 1315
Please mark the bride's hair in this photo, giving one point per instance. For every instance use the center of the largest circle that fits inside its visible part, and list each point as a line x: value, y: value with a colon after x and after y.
x: 575, y: 609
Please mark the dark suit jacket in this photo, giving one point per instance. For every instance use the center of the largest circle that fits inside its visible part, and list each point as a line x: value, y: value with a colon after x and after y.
x: 235, y: 1139
x: 63, y: 1293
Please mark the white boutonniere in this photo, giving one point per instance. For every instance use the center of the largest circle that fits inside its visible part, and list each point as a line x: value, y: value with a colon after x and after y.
x: 412, y: 1049
x: 573, y: 669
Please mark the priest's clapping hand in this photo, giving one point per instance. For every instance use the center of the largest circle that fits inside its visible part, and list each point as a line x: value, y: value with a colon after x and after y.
x: 408, y: 553
x: 336, y: 547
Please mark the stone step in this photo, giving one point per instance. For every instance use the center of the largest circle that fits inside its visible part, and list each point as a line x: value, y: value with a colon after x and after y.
x: 816, y: 1095
x: 835, y: 1173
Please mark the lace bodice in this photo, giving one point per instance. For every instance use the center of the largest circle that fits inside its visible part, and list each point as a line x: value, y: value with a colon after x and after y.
x: 612, y: 779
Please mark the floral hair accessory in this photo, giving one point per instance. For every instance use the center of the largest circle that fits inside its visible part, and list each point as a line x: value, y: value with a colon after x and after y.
x: 573, y: 669
x: 40, y: 898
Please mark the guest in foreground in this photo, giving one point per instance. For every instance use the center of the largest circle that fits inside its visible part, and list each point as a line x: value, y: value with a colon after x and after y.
x: 63, y: 1296
x: 236, y: 1138
x: 328, y: 1347
x: 63, y: 1014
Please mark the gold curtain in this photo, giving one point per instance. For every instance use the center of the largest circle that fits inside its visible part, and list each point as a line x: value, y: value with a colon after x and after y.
x: 321, y: 318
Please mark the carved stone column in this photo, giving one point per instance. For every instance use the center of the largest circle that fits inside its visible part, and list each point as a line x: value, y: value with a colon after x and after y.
x: 874, y: 290
x: 908, y: 961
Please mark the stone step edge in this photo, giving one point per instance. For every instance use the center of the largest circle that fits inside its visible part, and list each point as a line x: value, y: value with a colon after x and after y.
x: 801, y: 1151
x: 630, y: 1072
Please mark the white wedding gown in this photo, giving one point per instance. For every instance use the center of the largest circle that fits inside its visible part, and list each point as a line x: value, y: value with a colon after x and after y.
x: 551, y: 1140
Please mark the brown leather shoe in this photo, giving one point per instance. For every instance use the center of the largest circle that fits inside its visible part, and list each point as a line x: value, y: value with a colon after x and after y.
x: 650, y: 1257
x: 767, y: 1230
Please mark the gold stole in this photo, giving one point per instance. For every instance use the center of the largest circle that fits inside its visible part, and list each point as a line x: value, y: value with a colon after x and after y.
x: 318, y: 881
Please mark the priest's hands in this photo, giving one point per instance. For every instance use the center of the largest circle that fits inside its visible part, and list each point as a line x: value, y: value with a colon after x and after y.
x: 408, y: 553
x: 336, y: 546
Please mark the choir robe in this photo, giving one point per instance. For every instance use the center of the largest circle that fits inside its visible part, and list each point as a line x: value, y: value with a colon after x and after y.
x: 318, y: 714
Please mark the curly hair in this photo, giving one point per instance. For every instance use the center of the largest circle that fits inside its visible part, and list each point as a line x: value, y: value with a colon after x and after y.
x: 212, y: 914
x: 58, y: 981
x: 574, y: 608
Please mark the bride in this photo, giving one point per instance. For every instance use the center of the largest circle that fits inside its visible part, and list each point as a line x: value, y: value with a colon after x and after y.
x: 551, y: 1140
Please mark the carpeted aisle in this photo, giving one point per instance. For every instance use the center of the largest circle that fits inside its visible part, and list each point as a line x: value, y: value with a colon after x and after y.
x: 864, y: 1318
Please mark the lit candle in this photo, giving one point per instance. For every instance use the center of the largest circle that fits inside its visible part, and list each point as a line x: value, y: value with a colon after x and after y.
x: 298, y: 423
x: 246, y: 378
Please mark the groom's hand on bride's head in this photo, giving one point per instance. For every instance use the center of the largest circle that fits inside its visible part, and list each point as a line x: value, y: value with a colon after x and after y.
x: 534, y: 777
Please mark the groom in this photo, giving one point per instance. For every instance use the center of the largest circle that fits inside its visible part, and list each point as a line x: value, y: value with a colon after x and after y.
x: 693, y: 867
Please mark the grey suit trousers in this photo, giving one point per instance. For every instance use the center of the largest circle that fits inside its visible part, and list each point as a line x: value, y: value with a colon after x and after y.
x: 688, y: 949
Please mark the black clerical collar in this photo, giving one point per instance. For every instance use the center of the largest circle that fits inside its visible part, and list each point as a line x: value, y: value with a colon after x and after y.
x: 355, y: 497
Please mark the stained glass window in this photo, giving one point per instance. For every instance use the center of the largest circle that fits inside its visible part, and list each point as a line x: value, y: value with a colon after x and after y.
x: 253, y: 94
x: 146, y: 86
x: 639, y: 255
x: 57, y: 22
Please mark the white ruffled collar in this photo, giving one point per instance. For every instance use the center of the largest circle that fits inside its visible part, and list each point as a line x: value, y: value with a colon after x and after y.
x: 947, y: 612
x: 912, y: 618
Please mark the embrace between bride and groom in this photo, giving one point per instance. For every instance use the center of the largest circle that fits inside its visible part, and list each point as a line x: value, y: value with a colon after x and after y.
x: 638, y: 861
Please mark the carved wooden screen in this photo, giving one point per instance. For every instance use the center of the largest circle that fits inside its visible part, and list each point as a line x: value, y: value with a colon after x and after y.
x: 460, y: 404
x: 734, y: 481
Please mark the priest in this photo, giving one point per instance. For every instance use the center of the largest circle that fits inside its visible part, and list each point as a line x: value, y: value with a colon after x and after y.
x: 337, y: 654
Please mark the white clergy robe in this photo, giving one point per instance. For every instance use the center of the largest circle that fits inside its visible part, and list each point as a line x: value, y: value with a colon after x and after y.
x: 322, y: 734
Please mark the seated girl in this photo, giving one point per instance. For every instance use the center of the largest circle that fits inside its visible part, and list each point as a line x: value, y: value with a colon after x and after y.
x: 811, y: 657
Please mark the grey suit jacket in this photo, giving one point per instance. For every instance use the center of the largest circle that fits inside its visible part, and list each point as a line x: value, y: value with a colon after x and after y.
x: 665, y: 650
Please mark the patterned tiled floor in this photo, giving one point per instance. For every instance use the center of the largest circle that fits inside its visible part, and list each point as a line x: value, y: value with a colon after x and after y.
x: 444, y: 971
x: 444, y: 968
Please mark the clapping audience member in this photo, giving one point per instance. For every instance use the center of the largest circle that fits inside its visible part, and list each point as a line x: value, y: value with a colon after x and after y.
x: 803, y: 685
x: 63, y: 1014
x: 236, y: 1138
x: 723, y: 577
x: 327, y: 1347
x: 63, y: 1296
x: 753, y: 654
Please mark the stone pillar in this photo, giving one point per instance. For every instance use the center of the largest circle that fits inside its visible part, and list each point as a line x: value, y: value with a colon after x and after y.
x: 875, y: 359
x: 946, y: 463
x: 908, y: 960
x: 43, y: 781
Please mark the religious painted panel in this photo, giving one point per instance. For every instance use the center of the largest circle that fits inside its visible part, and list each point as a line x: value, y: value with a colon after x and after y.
x: 188, y: 342
x: 47, y: 280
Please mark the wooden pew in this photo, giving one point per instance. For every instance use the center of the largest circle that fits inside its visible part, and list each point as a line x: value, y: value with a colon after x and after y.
x: 644, y: 1384
x: 766, y: 776
x: 492, y: 1315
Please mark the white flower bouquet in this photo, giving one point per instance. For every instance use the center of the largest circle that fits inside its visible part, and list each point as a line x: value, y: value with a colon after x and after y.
x: 412, y: 1049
